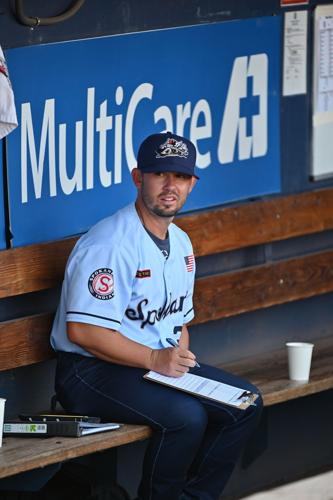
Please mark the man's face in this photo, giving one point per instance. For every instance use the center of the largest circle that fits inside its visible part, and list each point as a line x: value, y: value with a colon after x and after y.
x: 165, y: 193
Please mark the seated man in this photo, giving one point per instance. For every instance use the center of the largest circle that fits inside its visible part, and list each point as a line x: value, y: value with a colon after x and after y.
x: 127, y: 290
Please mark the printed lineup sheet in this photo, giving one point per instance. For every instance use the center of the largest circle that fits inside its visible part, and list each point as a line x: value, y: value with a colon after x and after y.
x: 324, y: 59
x: 204, y: 387
x: 295, y: 52
x: 322, y: 116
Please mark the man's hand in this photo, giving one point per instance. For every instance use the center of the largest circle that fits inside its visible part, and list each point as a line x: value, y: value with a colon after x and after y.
x: 172, y: 361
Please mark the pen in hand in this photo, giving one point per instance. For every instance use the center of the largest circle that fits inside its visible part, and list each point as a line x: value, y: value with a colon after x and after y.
x: 247, y: 397
x: 175, y: 344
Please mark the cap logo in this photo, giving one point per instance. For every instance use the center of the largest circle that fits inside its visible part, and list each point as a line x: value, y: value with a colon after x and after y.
x: 172, y: 147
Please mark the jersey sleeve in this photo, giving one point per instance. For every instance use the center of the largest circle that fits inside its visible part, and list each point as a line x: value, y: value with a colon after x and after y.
x: 188, y: 303
x: 99, y: 286
x: 190, y: 273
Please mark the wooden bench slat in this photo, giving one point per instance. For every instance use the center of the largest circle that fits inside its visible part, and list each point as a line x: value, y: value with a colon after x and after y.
x: 26, y: 341
x: 34, y: 267
x: 262, y: 286
x: 269, y: 372
x: 258, y: 222
x: 41, y: 266
x: 24, y: 454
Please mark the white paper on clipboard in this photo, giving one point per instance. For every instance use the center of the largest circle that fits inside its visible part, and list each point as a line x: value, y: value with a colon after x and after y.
x: 206, y: 388
x: 322, y: 116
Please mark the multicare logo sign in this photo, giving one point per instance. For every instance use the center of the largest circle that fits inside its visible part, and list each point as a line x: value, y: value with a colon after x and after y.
x: 85, y: 106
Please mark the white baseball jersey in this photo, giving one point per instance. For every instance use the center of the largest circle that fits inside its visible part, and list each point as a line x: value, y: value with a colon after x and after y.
x: 116, y: 277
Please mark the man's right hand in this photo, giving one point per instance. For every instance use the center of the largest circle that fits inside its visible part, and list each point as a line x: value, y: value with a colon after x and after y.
x: 171, y: 361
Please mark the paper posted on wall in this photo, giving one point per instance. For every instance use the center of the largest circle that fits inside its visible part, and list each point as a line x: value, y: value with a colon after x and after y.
x: 322, y: 115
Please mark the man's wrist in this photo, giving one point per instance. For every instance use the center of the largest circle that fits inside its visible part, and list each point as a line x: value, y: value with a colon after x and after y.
x: 150, y: 359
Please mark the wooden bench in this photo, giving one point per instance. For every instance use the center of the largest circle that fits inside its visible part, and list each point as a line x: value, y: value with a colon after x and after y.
x: 25, y: 341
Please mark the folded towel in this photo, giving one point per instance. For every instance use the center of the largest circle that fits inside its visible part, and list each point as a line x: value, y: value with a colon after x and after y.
x: 8, y: 119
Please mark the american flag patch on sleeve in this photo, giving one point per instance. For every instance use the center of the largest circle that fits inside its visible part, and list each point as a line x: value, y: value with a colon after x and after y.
x: 189, y: 261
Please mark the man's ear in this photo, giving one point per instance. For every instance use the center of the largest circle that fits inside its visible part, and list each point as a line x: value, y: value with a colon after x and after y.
x: 137, y: 177
x: 193, y: 183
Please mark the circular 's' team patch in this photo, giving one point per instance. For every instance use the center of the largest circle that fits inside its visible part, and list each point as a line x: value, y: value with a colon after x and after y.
x: 101, y: 284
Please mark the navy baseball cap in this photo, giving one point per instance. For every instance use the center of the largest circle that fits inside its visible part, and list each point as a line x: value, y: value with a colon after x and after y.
x: 167, y: 152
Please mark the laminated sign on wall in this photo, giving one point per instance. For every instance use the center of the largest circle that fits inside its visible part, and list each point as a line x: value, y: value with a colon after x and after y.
x: 88, y: 104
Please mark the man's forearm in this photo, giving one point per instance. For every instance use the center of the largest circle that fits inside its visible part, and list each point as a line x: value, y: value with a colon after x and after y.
x: 184, y: 340
x: 109, y: 345
x: 114, y: 347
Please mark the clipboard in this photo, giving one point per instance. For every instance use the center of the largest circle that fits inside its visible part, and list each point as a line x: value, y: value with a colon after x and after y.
x: 206, y: 388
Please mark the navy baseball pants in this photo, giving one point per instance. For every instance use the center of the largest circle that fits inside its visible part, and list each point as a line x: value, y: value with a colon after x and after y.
x: 196, y: 442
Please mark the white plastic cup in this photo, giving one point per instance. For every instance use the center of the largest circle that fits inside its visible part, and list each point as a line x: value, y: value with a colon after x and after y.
x: 299, y: 360
x: 2, y: 414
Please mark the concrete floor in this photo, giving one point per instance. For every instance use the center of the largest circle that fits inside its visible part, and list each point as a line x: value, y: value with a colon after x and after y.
x: 314, y: 488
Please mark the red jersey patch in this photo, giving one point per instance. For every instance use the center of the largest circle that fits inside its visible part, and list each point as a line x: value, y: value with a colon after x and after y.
x: 143, y: 273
